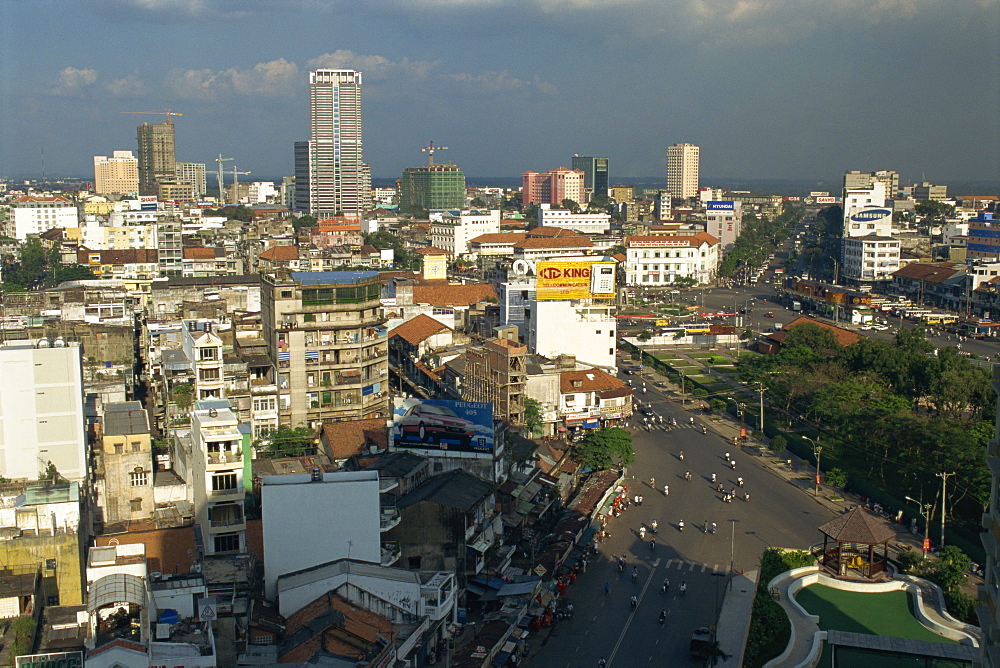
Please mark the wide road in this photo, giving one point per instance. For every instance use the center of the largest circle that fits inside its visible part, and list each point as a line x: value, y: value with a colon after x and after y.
x: 777, y: 514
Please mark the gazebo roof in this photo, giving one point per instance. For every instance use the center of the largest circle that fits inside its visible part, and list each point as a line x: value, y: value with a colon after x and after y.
x: 858, y: 526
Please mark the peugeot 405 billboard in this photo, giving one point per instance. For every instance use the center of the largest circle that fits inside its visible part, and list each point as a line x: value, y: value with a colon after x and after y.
x: 465, y: 426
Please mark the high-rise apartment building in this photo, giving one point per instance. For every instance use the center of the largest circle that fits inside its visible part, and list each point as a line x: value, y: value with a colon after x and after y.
x: 682, y: 170
x: 432, y: 187
x: 552, y: 187
x: 118, y: 175
x: 858, y: 180
x: 328, y: 343
x: 157, y: 155
x: 193, y: 172
x: 330, y: 175
x: 595, y: 172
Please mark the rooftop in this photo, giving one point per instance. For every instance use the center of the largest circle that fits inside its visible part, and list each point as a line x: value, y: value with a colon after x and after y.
x: 332, y: 277
x: 125, y: 418
x: 457, y: 489
x: 419, y: 329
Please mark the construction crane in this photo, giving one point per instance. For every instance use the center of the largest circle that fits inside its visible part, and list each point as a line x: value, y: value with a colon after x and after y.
x: 236, y: 182
x: 166, y: 113
x: 430, y: 148
x: 222, y: 185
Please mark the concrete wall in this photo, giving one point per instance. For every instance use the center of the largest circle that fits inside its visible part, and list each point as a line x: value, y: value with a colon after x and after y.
x: 335, y: 518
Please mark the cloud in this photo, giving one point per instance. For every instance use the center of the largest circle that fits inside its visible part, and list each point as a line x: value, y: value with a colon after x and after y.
x: 501, y: 81
x: 73, y: 81
x: 375, y: 67
x: 128, y: 86
x: 273, y: 78
x: 189, y: 9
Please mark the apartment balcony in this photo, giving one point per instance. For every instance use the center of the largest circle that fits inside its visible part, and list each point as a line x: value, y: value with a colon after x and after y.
x: 230, y: 494
x: 225, y: 460
x: 387, y: 485
x: 389, y: 518
x: 228, y: 524
x: 390, y: 553
x: 262, y: 386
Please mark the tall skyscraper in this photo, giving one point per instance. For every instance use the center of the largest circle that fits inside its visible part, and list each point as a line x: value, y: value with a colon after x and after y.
x: 335, y: 179
x: 595, y: 173
x: 682, y: 170
x: 157, y: 157
x: 118, y: 175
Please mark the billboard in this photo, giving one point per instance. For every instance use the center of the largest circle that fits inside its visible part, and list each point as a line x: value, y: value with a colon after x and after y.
x: 574, y: 280
x: 55, y: 660
x: 463, y: 426
x: 871, y: 215
x: 720, y: 205
x: 823, y: 199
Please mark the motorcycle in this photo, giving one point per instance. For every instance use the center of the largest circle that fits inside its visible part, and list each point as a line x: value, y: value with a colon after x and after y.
x: 680, y: 525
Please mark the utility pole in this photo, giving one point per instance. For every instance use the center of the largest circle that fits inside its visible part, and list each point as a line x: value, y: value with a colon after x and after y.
x: 817, y: 451
x: 944, y: 499
x: 760, y: 390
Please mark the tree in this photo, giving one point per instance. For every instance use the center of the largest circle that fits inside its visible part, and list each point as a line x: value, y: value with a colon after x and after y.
x: 572, y: 205
x: 532, y: 416
x: 477, y: 203
x: 605, y: 448
x: 70, y: 272
x: 183, y: 396
x: 303, y: 221
x: 285, y: 441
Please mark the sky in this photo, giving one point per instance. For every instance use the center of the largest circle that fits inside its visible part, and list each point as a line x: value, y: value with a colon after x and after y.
x: 769, y: 89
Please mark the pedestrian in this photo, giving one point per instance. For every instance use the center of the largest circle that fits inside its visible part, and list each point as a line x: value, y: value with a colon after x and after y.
x: 640, y: 499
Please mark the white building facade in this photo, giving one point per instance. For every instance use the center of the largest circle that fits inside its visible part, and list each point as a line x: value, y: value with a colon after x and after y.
x: 573, y: 327
x: 452, y: 233
x: 35, y: 215
x: 870, y: 258
x: 585, y: 223
x: 724, y: 221
x: 653, y: 261
x: 41, y: 410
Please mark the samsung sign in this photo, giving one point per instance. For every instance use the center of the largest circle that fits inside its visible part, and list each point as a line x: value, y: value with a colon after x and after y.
x: 869, y: 215
x: 720, y: 205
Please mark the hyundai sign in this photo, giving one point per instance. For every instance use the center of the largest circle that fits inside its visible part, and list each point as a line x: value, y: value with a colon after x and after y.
x: 720, y: 205
x: 871, y: 215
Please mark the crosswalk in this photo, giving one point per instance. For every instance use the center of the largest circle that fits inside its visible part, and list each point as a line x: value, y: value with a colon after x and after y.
x: 692, y: 566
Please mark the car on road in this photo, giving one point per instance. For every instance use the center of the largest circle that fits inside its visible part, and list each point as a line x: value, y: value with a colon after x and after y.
x: 646, y: 410
x: 428, y: 423
x: 769, y: 314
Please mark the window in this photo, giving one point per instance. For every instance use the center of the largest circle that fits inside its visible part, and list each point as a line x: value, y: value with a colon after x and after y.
x: 413, y: 563
x: 119, y: 448
x: 138, y: 478
x: 136, y: 445
x: 208, y: 374
x: 227, y: 542
x: 207, y: 354
x: 135, y: 505
x: 224, y: 482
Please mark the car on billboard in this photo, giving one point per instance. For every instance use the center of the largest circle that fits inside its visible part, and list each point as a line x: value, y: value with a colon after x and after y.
x: 447, y: 425
x: 432, y: 424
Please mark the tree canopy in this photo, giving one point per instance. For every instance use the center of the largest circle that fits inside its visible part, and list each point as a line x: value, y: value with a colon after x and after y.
x: 605, y: 448
x: 285, y: 441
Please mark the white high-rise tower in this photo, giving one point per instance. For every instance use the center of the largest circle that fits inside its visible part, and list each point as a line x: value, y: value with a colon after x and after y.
x: 331, y: 176
x: 682, y: 170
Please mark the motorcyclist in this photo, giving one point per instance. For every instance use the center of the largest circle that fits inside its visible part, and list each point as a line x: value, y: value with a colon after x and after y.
x: 713, y: 477
x: 652, y: 483
x: 680, y: 456
x: 653, y: 525
x: 666, y: 490
x: 687, y: 475
x: 635, y: 573
x: 666, y: 586
x: 691, y: 419
x: 732, y: 464
x: 713, y: 527
x: 680, y: 525
x: 663, y: 617
x: 642, y: 533
x: 739, y: 481
x: 704, y: 429
x: 683, y: 588
x: 633, y: 601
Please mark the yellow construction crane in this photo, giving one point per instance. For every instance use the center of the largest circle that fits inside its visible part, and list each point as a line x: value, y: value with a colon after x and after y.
x: 166, y: 113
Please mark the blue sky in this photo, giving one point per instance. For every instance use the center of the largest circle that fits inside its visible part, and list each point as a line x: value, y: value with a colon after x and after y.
x: 768, y: 88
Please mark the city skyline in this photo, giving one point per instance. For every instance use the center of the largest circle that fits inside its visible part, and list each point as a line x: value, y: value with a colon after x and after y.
x: 766, y: 92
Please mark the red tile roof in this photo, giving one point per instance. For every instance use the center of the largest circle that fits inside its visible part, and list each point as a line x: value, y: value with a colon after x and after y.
x: 693, y: 240
x: 453, y: 294
x: 499, y: 238
x: 590, y: 380
x: 845, y: 337
x: 937, y: 272
x: 120, y: 256
x: 280, y: 253
x: 37, y: 198
x: 199, y: 253
x: 578, y: 241
x: 351, y: 634
x: 430, y: 250
x: 418, y: 329
x: 550, y: 231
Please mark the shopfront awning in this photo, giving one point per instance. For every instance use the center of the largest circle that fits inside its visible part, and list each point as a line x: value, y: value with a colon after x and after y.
x: 591, y: 424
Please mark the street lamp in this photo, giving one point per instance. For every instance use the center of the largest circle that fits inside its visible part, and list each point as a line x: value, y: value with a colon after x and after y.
x: 926, y: 508
x: 817, y: 451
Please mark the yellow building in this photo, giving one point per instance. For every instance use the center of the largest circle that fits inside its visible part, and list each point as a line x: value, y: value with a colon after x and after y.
x: 118, y: 175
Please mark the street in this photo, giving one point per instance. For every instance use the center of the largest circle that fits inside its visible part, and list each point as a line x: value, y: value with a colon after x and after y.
x: 778, y: 514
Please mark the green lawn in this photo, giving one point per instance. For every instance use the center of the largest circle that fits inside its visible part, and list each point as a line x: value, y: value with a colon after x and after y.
x: 886, y: 614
